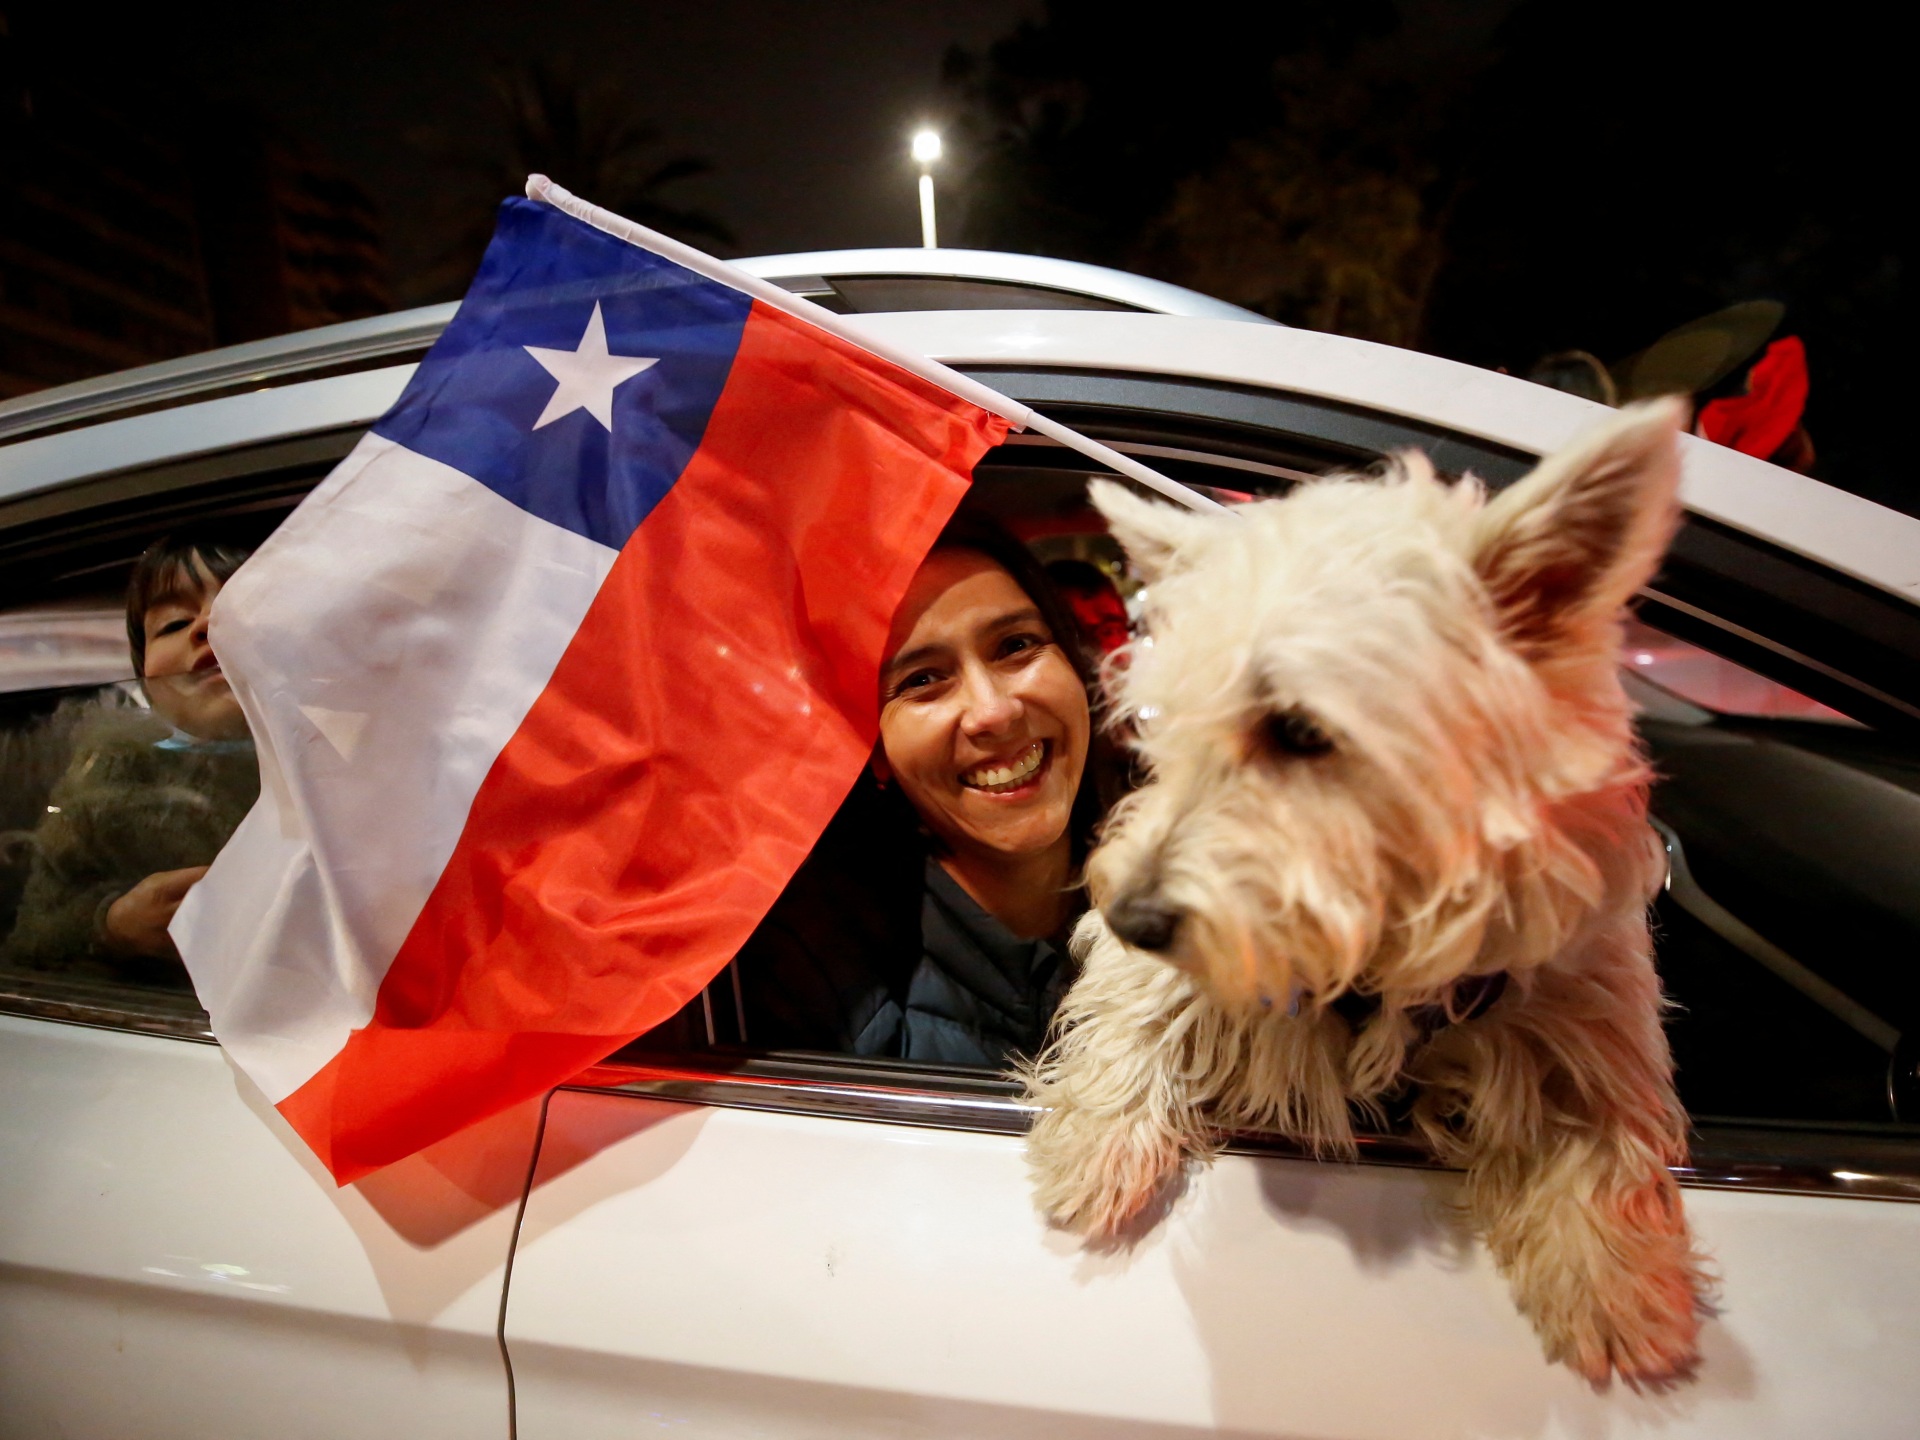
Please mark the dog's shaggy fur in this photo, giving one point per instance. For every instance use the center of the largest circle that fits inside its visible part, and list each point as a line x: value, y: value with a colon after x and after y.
x: 1388, y: 753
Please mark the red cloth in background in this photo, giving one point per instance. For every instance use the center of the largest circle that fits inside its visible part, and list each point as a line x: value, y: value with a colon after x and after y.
x: 1759, y: 422
x: 1101, y: 616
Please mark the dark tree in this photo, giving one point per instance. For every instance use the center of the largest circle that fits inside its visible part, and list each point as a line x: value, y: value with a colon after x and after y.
x: 1330, y: 218
x: 1084, y: 123
x: 586, y: 138
x: 1429, y: 173
x: 1626, y: 170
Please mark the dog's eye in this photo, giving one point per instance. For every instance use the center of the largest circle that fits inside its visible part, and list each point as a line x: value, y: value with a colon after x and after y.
x: 1294, y: 732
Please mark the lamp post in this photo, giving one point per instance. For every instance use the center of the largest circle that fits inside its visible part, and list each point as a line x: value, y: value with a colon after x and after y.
x: 926, y: 150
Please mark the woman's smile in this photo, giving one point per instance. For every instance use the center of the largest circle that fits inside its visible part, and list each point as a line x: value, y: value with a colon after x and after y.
x: 1018, y: 776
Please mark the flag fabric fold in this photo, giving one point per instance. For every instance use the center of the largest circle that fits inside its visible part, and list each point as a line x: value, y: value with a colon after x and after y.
x: 555, y: 681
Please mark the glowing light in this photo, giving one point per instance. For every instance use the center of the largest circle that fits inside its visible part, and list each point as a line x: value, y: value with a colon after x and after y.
x: 1645, y: 657
x: 926, y: 150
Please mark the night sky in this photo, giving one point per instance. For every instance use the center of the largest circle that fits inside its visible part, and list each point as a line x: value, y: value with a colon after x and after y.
x: 1566, y: 178
x: 805, y: 109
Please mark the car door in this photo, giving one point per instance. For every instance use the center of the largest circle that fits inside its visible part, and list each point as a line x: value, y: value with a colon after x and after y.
x: 173, y: 1261
x: 730, y: 1241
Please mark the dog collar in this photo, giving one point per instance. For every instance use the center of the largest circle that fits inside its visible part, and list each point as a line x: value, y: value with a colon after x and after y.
x: 1468, y: 999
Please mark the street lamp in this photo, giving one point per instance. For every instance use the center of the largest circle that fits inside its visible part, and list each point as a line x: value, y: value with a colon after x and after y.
x: 926, y: 150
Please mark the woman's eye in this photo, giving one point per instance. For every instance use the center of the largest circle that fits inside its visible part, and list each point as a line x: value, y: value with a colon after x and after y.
x: 918, y: 680
x: 170, y: 627
x: 1021, y: 644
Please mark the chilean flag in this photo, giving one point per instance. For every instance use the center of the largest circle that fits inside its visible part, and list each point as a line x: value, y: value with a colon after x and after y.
x: 557, y: 678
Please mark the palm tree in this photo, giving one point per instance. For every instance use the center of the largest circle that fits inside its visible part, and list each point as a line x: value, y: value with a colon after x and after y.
x: 584, y: 137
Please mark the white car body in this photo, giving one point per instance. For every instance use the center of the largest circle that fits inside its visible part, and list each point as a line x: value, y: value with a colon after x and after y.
x: 726, y: 1253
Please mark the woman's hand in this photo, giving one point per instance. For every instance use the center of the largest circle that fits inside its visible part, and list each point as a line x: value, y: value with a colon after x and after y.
x: 136, y: 923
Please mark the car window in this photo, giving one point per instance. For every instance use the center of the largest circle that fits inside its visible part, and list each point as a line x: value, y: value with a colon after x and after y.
x: 1788, y: 937
x: 112, y: 808
x: 125, y: 764
x: 884, y: 294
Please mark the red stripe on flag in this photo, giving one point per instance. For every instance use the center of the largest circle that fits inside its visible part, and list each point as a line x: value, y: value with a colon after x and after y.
x: 703, y: 726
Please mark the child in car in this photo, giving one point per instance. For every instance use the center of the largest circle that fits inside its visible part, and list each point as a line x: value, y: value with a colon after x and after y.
x: 151, y: 794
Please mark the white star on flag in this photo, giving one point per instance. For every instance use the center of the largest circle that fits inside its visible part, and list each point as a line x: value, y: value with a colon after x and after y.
x: 588, y: 375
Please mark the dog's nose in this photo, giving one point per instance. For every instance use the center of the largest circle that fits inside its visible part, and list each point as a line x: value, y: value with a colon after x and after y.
x: 1143, y: 922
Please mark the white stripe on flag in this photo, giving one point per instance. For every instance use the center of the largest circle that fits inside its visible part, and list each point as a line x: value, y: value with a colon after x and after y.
x: 385, y: 644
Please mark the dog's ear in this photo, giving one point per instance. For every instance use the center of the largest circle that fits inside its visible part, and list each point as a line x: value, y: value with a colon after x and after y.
x: 1562, y: 550
x: 1152, y: 533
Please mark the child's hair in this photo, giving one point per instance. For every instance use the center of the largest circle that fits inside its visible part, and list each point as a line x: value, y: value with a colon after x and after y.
x: 165, y: 571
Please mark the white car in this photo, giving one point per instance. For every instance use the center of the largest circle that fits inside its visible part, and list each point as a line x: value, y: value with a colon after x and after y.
x: 731, y: 1242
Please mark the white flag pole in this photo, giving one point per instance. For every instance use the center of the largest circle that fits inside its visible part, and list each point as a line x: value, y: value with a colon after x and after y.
x: 1125, y: 465
x: 1021, y: 417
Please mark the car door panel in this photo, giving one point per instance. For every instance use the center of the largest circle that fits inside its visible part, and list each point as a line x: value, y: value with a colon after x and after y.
x: 730, y: 1272
x: 173, y: 1262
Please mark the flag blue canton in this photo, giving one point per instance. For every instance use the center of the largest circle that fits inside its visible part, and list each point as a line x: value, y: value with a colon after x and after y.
x: 478, y: 399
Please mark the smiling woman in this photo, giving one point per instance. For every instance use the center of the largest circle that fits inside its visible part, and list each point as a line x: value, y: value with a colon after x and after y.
x: 930, y: 922
x: 984, y: 725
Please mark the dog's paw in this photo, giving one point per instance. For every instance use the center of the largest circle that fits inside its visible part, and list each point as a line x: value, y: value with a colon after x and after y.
x: 1618, y: 1300
x: 1648, y: 1351
x: 1117, y: 1216
x: 1104, y: 1179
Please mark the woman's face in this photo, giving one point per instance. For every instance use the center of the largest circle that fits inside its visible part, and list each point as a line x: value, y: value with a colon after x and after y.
x: 983, y: 722
x: 184, y: 681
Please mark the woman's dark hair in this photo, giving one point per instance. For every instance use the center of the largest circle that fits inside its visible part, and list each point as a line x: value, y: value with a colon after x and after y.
x: 166, y: 571
x: 971, y: 530
x: 1104, y: 779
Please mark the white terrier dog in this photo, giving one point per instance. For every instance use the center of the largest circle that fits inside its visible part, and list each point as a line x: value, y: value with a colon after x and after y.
x: 1395, y: 836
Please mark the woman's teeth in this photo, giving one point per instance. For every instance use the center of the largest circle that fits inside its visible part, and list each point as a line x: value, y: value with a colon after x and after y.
x: 1000, y: 777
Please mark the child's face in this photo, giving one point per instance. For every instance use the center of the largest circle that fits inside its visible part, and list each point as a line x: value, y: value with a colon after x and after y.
x: 184, y: 681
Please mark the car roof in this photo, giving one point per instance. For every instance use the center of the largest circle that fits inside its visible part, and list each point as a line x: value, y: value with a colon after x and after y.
x: 1029, y: 276
x: 927, y: 279
x: 1868, y: 542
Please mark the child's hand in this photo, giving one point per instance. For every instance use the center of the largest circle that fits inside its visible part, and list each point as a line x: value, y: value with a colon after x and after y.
x: 136, y: 923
